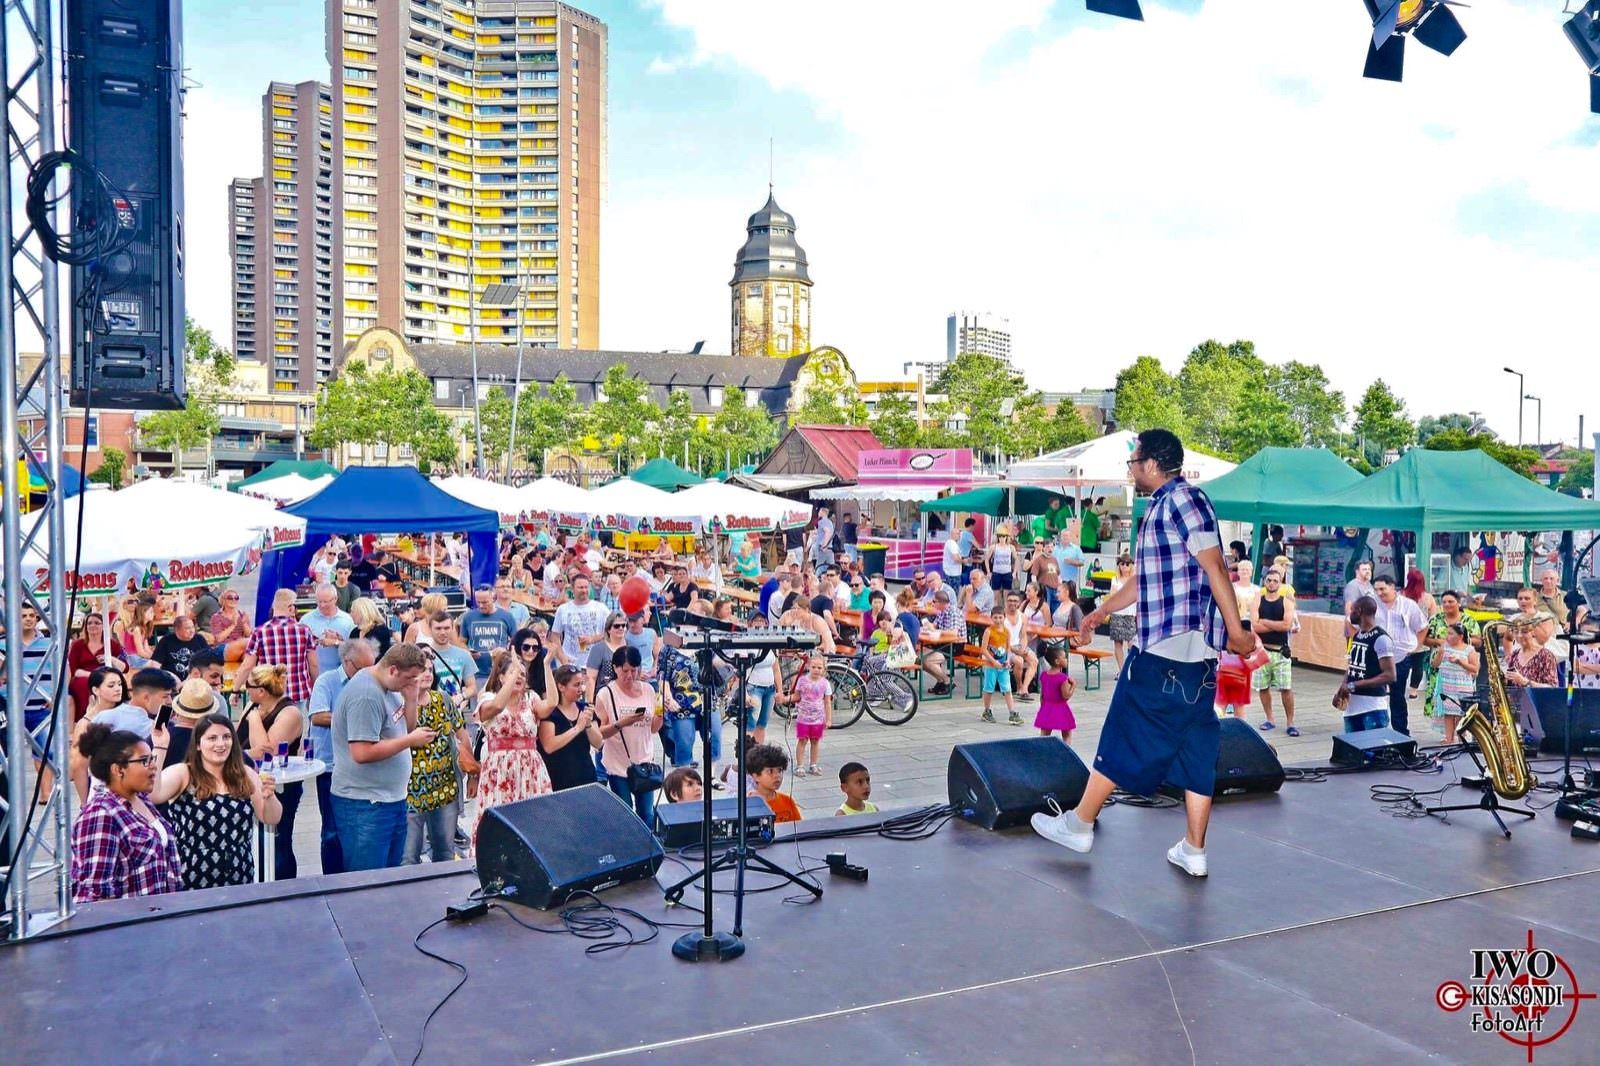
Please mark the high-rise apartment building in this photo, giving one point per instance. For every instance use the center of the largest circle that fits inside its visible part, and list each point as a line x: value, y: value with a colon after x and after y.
x: 285, y: 311
x: 242, y: 194
x: 469, y: 141
x: 978, y: 331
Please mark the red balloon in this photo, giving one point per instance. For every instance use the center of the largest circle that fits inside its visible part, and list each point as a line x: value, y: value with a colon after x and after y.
x: 634, y: 595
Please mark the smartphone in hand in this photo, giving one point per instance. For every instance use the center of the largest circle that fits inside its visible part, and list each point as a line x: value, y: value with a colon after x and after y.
x: 163, y: 716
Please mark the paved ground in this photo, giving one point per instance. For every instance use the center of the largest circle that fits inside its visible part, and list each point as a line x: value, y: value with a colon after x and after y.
x: 908, y: 762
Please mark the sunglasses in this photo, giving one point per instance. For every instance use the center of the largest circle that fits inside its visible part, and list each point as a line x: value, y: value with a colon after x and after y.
x: 525, y: 646
x: 618, y: 625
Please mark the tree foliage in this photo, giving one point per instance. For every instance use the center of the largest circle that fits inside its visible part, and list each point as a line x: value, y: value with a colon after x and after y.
x: 1428, y: 425
x: 551, y: 419
x: 1316, y: 408
x: 1459, y: 440
x: 741, y: 431
x: 112, y: 469
x: 1381, y: 421
x: 1211, y: 384
x: 894, y: 421
x: 829, y: 398
x: 1580, y: 475
x: 1260, y: 418
x: 618, y: 423
x: 384, y: 407
x: 494, y: 418
x: 208, y: 374
x: 1147, y: 398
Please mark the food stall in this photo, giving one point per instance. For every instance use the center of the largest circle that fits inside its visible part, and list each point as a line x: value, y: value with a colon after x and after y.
x: 890, y: 484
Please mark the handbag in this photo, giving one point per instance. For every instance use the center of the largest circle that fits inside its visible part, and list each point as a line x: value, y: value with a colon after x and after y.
x: 643, y: 777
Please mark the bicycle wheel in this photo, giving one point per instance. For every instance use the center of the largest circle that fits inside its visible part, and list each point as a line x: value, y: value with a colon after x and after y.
x: 891, y: 697
x: 849, y: 695
x: 788, y: 667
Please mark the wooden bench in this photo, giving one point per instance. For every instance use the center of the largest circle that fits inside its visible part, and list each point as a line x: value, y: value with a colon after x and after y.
x: 1091, y: 657
x: 970, y: 659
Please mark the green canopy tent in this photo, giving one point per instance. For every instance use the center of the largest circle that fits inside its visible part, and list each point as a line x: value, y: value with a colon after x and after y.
x: 1429, y: 492
x: 666, y: 475
x: 310, y: 469
x: 997, y: 500
x: 1272, y: 475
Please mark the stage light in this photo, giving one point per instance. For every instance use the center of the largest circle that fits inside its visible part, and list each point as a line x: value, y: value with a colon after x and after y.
x: 1126, y: 9
x: 1583, y: 30
x: 1431, y: 22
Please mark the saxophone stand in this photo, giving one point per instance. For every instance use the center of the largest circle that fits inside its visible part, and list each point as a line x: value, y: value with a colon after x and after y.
x: 1489, y: 801
x: 709, y: 945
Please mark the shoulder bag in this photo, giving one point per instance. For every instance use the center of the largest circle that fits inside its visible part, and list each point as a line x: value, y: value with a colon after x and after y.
x: 643, y: 777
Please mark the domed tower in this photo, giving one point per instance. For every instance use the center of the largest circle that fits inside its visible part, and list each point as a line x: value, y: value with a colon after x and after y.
x: 771, y: 287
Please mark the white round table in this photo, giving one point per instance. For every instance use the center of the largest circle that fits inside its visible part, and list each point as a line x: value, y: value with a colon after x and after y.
x: 299, y: 769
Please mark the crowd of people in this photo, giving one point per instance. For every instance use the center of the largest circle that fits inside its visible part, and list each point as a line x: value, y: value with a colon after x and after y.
x: 427, y: 717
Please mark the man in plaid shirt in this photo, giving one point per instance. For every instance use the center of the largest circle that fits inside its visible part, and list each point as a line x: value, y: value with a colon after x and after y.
x: 1161, y: 726
x: 282, y: 640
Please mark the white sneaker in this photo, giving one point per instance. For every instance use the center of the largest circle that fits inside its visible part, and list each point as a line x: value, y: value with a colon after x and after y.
x: 816, y: 769
x: 1063, y: 827
x: 1191, y: 864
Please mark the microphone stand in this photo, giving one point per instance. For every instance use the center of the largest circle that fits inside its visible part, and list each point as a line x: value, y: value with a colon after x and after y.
x: 1569, y: 787
x: 708, y: 945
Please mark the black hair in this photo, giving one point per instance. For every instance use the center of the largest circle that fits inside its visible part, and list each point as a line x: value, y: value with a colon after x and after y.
x: 970, y: 522
x: 1384, y: 579
x: 765, y: 757
x: 105, y: 748
x: 672, y: 784
x: 205, y: 658
x: 1164, y: 448
x: 100, y: 673
x: 1364, y: 607
x: 153, y: 677
x: 850, y: 768
x: 1275, y: 532
x: 627, y: 655
x: 878, y: 595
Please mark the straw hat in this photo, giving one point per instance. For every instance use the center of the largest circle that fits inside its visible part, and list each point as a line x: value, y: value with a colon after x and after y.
x: 195, y: 698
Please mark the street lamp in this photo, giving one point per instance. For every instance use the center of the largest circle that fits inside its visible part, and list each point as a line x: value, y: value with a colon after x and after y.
x: 1508, y: 370
x: 1538, y: 425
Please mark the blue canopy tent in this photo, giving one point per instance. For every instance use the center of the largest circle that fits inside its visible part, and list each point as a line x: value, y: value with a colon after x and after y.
x: 380, y: 499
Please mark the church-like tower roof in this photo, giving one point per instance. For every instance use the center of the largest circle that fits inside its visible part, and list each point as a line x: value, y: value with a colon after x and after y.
x: 770, y: 250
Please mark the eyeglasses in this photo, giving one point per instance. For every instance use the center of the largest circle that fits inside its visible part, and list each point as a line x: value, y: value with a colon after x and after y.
x: 618, y: 625
x: 140, y: 760
x: 1135, y: 459
x: 525, y: 646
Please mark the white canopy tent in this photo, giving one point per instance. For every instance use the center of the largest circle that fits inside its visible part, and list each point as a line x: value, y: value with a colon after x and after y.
x: 738, y: 510
x: 290, y: 488
x: 505, y: 500
x: 1102, y: 464
x: 552, y: 500
x: 178, y: 533
x: 630, y: 506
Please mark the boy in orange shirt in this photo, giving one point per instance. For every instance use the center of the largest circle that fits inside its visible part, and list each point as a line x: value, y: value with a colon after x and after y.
x: 997, y: 665
x: 765, y: 763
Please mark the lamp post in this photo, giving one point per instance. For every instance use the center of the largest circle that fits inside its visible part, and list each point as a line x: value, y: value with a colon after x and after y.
x: 1538, y: 424
x: 1508, y: 370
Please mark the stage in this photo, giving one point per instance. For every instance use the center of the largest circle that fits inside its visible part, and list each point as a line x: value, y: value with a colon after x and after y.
x: 1322, y: 935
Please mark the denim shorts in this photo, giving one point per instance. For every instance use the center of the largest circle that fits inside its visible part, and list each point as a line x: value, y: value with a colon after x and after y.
x: 757, y: 718
x: 1161, y: 726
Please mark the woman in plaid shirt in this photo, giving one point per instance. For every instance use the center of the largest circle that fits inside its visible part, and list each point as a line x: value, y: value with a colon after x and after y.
x: 121, y: 845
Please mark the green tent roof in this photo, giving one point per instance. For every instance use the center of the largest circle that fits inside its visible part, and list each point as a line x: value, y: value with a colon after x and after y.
x: 1273, y: 475
x: 306, y: 468
x: 995, y: 500
x: 1440, y: 492
x: 666, y: 475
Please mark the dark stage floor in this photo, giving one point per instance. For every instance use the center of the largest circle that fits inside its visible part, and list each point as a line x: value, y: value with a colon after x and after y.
x: 1321, y: 936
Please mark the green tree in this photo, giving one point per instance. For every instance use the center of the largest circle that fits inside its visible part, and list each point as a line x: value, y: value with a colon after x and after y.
x: 1315, y: 406
x: 1260, y: 419
x: 983, y: 394
x: 620, y: 421
x: 1428, y: 425
x: 208, y: 374
x: 1381, y: 421
x: 1459, y: 440
x: 829, y: 401
x: 1580, y: 475
x: 1147, y: 398
x: 676, y: 428
x: 1210, y: 385
x: 741, y: 432
x: 387, y: 408
x: 894, y: 421
x: 552, y: 419
x: 113, y: 466
x: 494, y: 418
x: 1067, y: 427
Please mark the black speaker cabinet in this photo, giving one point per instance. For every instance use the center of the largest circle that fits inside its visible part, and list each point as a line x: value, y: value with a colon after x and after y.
x: 1367, y: 746
x: 540, y: 851
x: 1245, y: 763
x: 1002, y: 783
x: 1550, y: 704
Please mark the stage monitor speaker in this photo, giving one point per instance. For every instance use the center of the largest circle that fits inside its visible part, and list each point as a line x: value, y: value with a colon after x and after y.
x: 1368, y: 746
x: 679, y: 824
x: 540, y: 851
x: 1245, y: 763
x: 1002, y: 783
x: 1551, y: 706
x: 124, y: 67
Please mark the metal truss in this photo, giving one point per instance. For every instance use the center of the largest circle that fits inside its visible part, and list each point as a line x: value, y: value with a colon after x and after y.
x: 35, y: 843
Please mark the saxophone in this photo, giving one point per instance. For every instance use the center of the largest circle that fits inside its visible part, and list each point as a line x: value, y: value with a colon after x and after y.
x: 1498, y: 738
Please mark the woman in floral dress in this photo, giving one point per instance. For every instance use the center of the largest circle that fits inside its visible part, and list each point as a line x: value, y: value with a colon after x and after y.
x: 512, y: 768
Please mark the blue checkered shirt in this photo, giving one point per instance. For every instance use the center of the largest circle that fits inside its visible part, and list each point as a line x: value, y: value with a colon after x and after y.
x: 1174, y: 593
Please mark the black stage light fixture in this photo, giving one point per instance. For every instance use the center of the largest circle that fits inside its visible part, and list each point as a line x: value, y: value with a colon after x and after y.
x: 1124, y: 9
x: 1583, y: 30
x: 1431, y: 21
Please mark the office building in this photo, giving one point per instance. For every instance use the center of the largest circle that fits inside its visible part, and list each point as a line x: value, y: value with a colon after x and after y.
x: 242, y: 195
x: 469, y: 143
x: 980, y: 332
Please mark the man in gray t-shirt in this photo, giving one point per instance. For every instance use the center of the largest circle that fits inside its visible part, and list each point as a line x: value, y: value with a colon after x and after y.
x: 374, y: 729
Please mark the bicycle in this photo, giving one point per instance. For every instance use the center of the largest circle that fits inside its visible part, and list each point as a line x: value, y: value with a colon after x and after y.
x: 887, y: 695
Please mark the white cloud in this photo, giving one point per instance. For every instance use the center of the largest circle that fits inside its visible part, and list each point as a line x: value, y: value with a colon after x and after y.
x: 1128, y: 188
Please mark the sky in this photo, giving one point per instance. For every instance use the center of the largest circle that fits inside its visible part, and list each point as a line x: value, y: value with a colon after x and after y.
x: 1113, y: 188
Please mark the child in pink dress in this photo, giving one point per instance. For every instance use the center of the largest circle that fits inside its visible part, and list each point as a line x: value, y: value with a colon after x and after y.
x: 813, y: 699
x: 1055, y: 688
